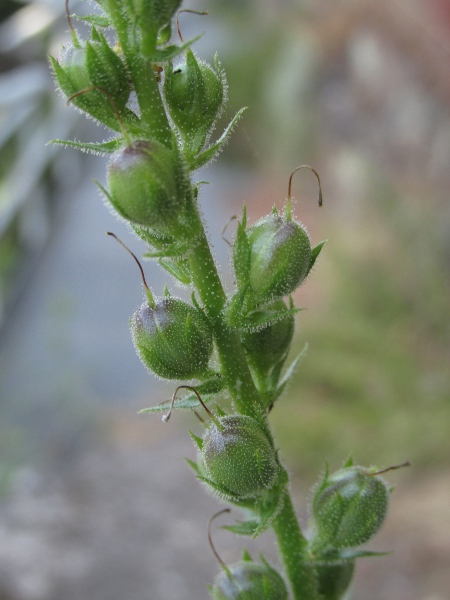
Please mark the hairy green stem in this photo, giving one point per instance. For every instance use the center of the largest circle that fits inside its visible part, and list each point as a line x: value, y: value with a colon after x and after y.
x: 231, y: 355
x: 293, y: 546
x: 153, y: 114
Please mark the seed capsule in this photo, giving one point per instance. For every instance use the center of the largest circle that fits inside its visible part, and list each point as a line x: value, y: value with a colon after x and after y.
x: 172, y: 339
x: 280, y: 255
x: 265, y: 347
x: 142, y: 180
x: 94, y: 65
x: 194, y: 93
x: 238, y: 457
x: 334, y: 579
x: 349, y: 508
x: 249, y: 581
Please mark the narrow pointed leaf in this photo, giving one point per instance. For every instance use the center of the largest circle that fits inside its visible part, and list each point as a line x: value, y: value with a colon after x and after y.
x: 98, y: 148
x: 291, y: 370
x: 314, y: 254
x: 207, y: 390
x: 193, y: 465
x: 242, y: 527
x: 207, y: 155
x: 96, y: 20
x: 170, y: 52
x: 197, y: 440
x: 177, y: 269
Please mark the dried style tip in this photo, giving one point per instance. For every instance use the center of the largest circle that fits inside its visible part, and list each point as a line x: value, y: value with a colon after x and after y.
x: 166, y: 417
x: 187, y: 10
x: 151, y: 301
x: 210, y: 522
x: 315, y: 173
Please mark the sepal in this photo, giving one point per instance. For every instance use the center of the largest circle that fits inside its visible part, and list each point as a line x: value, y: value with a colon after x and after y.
x: 314, y: 255
x: 97, y: 148
x: 212, y: 151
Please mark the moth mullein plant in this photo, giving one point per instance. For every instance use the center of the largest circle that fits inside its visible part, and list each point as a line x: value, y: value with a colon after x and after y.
x: 227, y: 352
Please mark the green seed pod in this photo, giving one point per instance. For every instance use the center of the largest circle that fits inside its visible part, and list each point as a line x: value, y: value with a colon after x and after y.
x: 172, y: 339
x: 280, y: 255
x: 238, y: 457
x: 334, y: 579
x: 249, y: 581
x: 95, y: 64
x: 142, y: 180
x: 194, y: 93
x: 266, y: 347
x: 349, y: 508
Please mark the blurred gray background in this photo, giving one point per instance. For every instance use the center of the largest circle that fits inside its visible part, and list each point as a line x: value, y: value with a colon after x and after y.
x: 97, y: 501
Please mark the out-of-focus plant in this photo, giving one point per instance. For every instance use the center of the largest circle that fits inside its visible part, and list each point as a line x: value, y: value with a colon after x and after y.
x: 28, y: 113
x: 162, y: 102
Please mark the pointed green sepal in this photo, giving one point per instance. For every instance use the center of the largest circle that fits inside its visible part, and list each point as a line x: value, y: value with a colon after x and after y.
x: 96, y: 20
x: 162, y: 55
x: 291, y: 370
x: 98, y: 148
x: 179, y: 269
x: 242, y: 527
x: 193, y: 465
x: 314, y: 255
x: 198, y: 441
x: 246, y: 556
x: 212, y: 151
x: 207, y: 390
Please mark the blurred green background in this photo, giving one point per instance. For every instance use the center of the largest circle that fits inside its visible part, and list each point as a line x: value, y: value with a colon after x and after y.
x: 360, y: 90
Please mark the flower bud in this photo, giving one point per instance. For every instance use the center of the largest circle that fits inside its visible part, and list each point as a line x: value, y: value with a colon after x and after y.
x: 280, y: 255
x: 247, y: 580
x: 172, y: 339
x: 349, y: 508
x: 266, y: 347
x: 238, y: 457
x: 94, y: 64
x: 142, y: 180
x: 194, y: 93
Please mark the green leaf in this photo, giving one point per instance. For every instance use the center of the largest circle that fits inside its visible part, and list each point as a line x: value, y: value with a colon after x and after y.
x: 207, y: 155
x: 96, y: 20
x: 242, y: 527
x: 170, y: 52
x: 314, y: 254
x: 98, y: 148
x: 291, y: 369
x: 198, y: 441
x: 351, y: 554
x: 246, y: 556
x: 172, y: 250
x: 178, y: 269
x: 193, y: 464
x: 207, y: 390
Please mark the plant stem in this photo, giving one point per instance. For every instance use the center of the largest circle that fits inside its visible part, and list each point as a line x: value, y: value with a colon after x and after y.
x: 153, y: 114
x: 232, y: 358
x: 293, y: 546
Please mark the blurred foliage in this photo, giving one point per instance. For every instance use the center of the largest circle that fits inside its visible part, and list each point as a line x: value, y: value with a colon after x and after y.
x: 376, y: 379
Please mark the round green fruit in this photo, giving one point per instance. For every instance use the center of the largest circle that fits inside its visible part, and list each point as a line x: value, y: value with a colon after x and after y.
x: 238, y: 457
